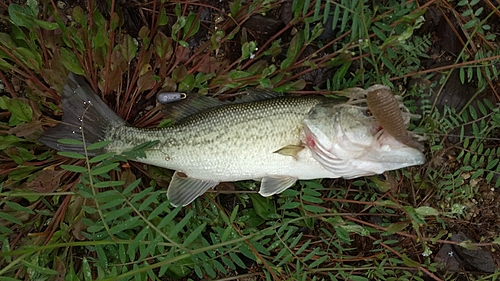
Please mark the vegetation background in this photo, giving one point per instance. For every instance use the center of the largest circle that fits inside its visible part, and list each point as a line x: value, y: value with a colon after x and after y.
x: 66, y: 216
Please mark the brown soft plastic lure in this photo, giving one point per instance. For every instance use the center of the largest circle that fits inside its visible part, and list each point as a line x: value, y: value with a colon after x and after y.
x: 385, y: 108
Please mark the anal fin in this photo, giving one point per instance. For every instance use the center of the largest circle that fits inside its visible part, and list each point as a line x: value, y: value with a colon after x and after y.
x: 183, y: 189
x: 271, y: 185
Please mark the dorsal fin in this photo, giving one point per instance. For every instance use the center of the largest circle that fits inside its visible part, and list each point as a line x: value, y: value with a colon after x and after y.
x: 253, y: 95
x: 194, y: 103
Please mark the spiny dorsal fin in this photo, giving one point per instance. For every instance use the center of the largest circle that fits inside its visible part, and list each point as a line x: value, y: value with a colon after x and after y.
x: 194, y: 104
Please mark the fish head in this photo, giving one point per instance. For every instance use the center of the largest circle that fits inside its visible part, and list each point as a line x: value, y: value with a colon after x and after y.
x: 347, y: 141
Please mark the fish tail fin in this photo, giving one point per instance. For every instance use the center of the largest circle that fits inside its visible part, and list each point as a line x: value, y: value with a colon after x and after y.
x: 86, y: 118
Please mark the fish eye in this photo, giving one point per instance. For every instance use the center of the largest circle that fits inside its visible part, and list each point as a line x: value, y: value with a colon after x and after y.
x: 368, y: 113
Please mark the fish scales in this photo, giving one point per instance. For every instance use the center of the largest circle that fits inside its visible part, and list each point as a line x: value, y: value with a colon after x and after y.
x: 226, y: 138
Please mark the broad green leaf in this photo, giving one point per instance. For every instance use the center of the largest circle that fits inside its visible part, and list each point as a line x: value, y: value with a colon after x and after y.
x: 32, y: 7
x: 311, y: 199
x: 17, y: 207
x: 109, y: 183
x: 235, y: 7
x: 296, y: 45
x: 245, y: 250
x: 316, y: 32
x: 20, y: 16
x: 229, y: 263
x: 395, y: 227
x: 247, y: 49
x: 141, y: 194
x: 263, y: 206
x: 8, y: 140
x: 131, y: 187
x: 497, y: 241
x: 11, y: 218
x: 238, y: 74
x: 20, y: 110
x: 129, y: 48
x: 103, y: 169
x: 159, y: 209
x: 358, y: 278
x: 477, y: 174
x: 102, y: 259
x: 74, y: 169
x: 409, y: 262
x: 112, y: 215
x: 115, y: 21
x: 311, y: 254
x: 101, y: 157
x: 209, y: 270
x: 162, y: 44
x: 177, y: 26
x: 241, y: 264
x: 101, y: 39
x: 187, y: 84
x: 312, y: 209
x: 70, y: 61
x: 4, y: 65
x: 290, y: 205
x: 6, y: 230
x: 180, y: 225
x: 33, y: 62
x: 79, y: 15
x: 20, y: 154
x: 152, y: 198
x: 47, y: 25
x: 98, y: 145
x: 194, y: 234
x: 86, y: 270
x: 169, y: 218
x: 6, y: 40
x: 162, y: 18
x: 22, y: 172
x: 71, y: 154
x: 191, y: 26
x: 293, y: 86
x: 127, y: 224
x: 39, y: 269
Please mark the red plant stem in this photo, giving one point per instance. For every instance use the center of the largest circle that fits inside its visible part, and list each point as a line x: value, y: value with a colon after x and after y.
x: 154, y: 19
x: 7, y: 84
x: 421, y: 268
x: 110, y: 46
x: 58, y: 217
x: 28, y: 74
x: 91, y: 75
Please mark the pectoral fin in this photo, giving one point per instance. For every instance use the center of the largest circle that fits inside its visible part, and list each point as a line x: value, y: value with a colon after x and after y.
x: 275, y: 184
x: 290, y: 150
x: 183, y: 189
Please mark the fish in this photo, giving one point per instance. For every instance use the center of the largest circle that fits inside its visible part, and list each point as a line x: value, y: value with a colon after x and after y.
x: 384, y: 106
x: 276, y: 140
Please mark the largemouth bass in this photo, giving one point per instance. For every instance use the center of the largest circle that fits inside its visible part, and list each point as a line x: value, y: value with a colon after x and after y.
x: 275, y: 141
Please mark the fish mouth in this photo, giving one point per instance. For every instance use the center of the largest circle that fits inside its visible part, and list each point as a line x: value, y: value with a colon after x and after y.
x: 393, y: 152
x: 385, y: 154
x: 349, y: 159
